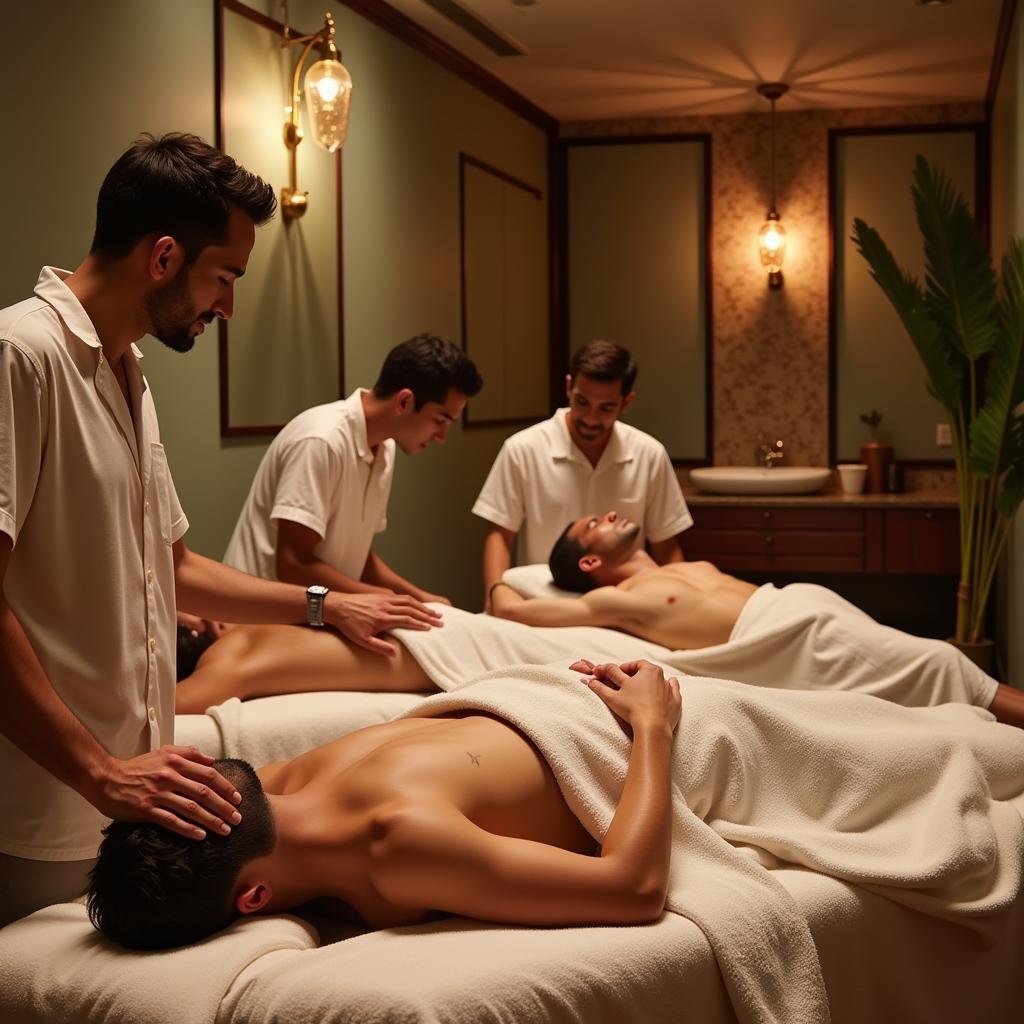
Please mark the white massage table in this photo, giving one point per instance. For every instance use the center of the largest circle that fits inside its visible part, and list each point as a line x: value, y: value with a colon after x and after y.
x: 881, y: 962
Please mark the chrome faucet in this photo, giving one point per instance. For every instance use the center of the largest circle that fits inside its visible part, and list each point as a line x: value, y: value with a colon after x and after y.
x: 767, y: 453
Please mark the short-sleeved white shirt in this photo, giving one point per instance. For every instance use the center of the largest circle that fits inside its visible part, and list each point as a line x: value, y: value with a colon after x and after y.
x: 541, y: 481
x: 319, y: 471
x: 87, y: 499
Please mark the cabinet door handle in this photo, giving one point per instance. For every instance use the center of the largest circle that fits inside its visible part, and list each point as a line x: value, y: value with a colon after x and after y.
x: 766, y: 515
x: 929, y: 514
x: 769, y: 539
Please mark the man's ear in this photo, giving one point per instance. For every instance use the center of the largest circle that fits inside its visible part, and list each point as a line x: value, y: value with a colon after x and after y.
x: 588, y: 563
x: 253, y: 899
x: 405, y: 401
x: 627, y: 402
x: 166, y: 257
x: 568, y: 385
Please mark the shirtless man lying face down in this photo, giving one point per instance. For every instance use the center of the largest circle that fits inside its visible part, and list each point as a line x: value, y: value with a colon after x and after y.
x: 693, y: 605
x: 685, y: 607
x: 454, y: 814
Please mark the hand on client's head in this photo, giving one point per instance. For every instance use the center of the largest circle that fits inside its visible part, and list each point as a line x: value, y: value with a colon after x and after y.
x: 153, y: 888
x: 176, y: 787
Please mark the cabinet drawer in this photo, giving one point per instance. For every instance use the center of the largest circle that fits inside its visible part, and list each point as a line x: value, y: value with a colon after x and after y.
x: 917, y: 540
x: 782, y: 550
x: 760, y: 517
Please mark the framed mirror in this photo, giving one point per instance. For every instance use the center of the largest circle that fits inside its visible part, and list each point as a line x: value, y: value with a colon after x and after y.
x: 505, y: 317
x: 283, y: 350
x: 873, y: 364
x: 638, y: 216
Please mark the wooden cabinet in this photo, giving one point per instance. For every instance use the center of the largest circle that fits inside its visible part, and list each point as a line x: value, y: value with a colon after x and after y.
x: 808, y: 539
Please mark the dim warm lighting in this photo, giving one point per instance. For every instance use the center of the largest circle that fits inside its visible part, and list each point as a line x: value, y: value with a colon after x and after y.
x: 772, y: 247
x: 328, y: 92
x: 771, y: 239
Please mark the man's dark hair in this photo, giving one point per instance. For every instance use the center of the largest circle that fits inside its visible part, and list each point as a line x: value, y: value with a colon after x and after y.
x: 605, y: 361
x: 430, y: 367
x: 154, y: 889
x: 564, y: 563
x: 177, y: 185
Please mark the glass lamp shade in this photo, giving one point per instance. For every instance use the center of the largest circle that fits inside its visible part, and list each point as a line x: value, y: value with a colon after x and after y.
x: 328, y: 94
x: 771, y: 241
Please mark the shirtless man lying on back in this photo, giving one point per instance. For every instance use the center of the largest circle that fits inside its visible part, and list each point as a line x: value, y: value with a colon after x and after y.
x: 395, y: 823
x: 693, y: 605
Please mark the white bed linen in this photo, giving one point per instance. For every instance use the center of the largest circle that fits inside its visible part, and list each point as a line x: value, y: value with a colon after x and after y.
x: 881, y: 963
x: 279, y: 728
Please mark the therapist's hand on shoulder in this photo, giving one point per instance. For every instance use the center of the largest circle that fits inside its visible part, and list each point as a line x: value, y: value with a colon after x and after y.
x: 361, y: 617
x: 172, y: 786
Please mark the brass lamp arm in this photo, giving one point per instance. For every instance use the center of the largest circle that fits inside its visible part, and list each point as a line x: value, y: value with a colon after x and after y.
x: 295, y: 98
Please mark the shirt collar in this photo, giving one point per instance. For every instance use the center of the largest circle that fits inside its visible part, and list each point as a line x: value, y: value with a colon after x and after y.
x: 354, y: 403
x: 563, y: 446
x: 50, y: 287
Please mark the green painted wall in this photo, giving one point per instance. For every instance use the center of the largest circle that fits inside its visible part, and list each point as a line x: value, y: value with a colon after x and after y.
x: 1008, y: 222
x: 147, y: 65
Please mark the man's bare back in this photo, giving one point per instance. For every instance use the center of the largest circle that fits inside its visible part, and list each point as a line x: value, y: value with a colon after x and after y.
x: 470, y: 764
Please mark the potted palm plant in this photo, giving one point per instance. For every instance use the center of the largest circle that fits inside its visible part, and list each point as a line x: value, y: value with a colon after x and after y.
x: 968, y: 329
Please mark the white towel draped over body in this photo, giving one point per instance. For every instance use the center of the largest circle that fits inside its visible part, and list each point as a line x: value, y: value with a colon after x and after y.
x: 801, y: 637
x: 914, y: 804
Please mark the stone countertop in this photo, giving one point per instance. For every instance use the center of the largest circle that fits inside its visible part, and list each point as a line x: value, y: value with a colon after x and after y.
x: 824, y: 499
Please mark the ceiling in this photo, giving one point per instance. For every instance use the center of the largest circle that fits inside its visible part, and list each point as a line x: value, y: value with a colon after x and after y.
x: 599, y: 59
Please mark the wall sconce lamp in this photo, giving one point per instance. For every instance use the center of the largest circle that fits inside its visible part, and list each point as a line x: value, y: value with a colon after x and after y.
x: 771, y: 238
x: 328, y: 90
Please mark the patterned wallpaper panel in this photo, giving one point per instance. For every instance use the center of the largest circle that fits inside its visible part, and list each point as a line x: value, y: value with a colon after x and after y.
x: 770, y: 348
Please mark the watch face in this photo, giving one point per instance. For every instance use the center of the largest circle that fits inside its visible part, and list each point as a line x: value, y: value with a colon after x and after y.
x: 317, y: 591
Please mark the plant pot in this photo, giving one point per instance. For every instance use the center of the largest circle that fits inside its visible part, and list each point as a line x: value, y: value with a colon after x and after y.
x: 876, y: 455
x: 983, y: 653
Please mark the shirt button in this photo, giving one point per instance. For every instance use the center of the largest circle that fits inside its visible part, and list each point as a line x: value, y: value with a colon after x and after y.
x: 152, y: 714
x: 152, y: 645
x: 146, y: 506
x: 149, y: 576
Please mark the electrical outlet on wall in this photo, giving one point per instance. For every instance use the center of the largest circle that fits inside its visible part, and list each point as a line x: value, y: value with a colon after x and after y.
x: 943, y: 435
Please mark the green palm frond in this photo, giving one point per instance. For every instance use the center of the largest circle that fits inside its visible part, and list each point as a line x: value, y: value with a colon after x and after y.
x: 1012, y: 494
x: 959, y: 280
x: 991, y: 442
x: 944, y: 364
x: 965, y: 330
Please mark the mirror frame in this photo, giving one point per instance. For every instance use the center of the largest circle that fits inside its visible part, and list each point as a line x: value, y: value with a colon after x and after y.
x: 262, y: 429
x: 981, y: 215
x: 558, y: 386
x: 468, y: 160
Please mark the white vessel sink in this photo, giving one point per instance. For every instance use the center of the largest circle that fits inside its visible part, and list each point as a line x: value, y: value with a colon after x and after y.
x: 758, y: 480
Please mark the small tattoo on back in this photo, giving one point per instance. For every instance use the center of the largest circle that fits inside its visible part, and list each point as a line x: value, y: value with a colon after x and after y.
x: 473, y: 758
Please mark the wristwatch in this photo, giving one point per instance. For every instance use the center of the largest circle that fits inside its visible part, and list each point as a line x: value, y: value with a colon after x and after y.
x: 315, y: 597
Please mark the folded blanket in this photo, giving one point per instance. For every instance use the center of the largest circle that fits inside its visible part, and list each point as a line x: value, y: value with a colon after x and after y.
x: 801, y: 637
x: 469, y: 645
x: 807, y: 637
x: 280, y: 728
x: 919, y: 805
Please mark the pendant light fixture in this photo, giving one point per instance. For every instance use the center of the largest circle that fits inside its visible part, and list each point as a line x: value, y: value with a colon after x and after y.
x: 772, y: 236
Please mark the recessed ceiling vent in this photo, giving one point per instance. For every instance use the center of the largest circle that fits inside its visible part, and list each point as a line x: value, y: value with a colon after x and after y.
x: 495, y: 41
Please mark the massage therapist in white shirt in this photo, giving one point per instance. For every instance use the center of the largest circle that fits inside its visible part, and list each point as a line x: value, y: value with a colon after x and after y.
x: 321, y: 492
x: 582, y: 459
x: 91, y: 550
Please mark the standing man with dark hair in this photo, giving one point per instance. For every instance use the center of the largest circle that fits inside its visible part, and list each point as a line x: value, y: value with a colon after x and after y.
x: 321, y: 492
x: 91, y: 555
x: 581, y: 459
